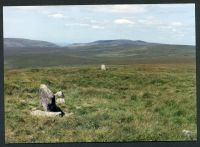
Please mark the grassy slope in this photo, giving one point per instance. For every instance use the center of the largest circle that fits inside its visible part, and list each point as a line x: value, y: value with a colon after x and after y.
x: 124, y: 103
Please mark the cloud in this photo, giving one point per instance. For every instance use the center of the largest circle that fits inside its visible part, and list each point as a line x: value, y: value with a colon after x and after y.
x: 153, y: 23
x: 97, y: 27
x: 160, y: 25
x: 175, y: 6
x: 149, y: 21
x: 56, y: 15
x: 121, y: 8
x: 128, y: 8
x: 46, y: 10
x: 123, y: 21
x: 28, y: 8
x: 78, y: 24
x: 177, y: 24
x: 175, y: 28
x: 85, y: 25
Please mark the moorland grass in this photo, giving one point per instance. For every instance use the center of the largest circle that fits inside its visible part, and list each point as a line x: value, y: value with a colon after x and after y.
x: 153, y: 102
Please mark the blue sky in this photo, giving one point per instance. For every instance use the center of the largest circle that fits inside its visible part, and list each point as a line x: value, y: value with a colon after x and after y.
x: 166, y: 23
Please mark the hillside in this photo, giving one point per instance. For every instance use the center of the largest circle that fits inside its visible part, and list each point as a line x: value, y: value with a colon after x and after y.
x: 26, y: 43
x: 23, y: 53
x: 125, y: 103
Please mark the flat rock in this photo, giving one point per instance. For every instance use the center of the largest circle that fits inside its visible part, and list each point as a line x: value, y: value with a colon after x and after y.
x: 45, y: 113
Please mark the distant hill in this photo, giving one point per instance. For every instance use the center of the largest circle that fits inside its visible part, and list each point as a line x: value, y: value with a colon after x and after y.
x: 113, y: 42
x: 26, y: 43
x: 121, y: 42
x: 22, y: 53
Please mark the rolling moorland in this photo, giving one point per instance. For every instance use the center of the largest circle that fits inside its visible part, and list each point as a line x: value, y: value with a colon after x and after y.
x: 23, y: 53
x: 147, y: 93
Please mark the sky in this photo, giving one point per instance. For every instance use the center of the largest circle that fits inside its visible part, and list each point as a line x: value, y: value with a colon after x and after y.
x: 160, y: 23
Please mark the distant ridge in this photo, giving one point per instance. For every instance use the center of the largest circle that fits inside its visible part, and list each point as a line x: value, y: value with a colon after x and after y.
x: 121, y: 41
x: 113, y: 42
x: 27, y: 43
x: 23, y: 53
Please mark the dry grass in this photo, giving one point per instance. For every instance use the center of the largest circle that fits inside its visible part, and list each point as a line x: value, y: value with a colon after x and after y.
x: 125, y: 103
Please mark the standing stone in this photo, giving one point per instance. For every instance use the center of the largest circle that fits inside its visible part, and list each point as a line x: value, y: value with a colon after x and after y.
x: 103, y: 67
x: 47, y: 99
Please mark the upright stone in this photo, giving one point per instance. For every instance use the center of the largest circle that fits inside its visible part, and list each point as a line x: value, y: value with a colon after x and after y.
x: 47, y: 99
x: 103, y: 67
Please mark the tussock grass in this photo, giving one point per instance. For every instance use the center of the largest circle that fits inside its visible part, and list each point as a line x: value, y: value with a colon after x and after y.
x: 138, y: 102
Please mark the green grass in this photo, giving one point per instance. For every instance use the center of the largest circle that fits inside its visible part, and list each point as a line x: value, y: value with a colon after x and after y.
x: 125, y: 103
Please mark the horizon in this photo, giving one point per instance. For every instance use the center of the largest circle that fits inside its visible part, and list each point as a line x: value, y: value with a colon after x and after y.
x: 65, y: 25
x: 62, y: 45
